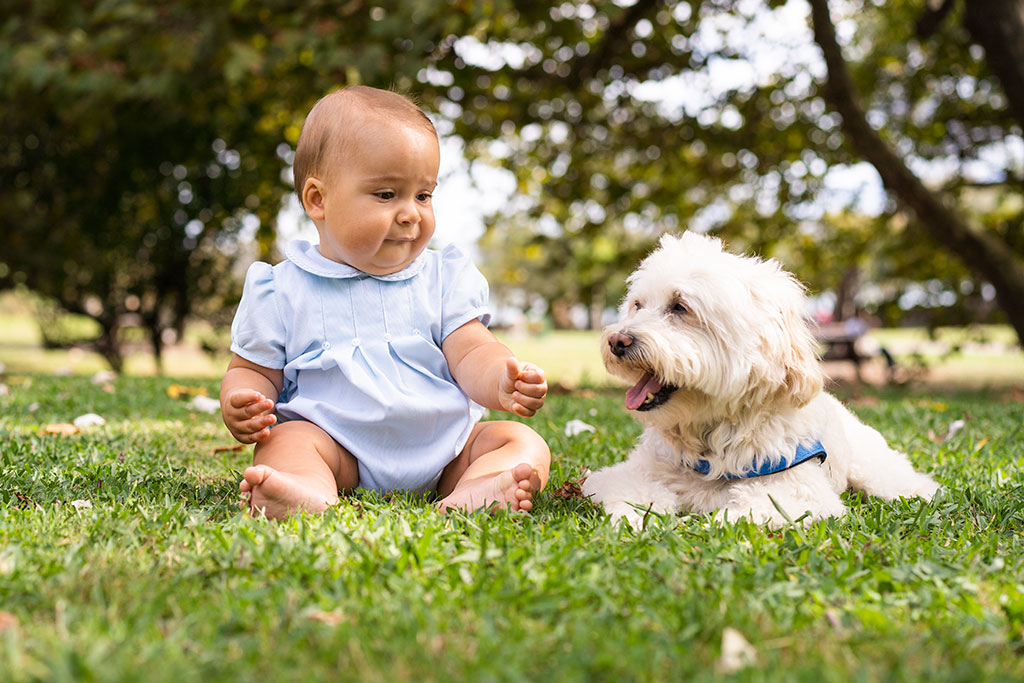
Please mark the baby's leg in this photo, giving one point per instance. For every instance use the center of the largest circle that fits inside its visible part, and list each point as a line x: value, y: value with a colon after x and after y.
x: 503, y: 464
x: 298, y: 467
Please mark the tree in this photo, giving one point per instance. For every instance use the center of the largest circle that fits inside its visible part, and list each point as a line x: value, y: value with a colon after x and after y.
x: 139, y: 139
x: 997, y: 26
x: 567, y: 92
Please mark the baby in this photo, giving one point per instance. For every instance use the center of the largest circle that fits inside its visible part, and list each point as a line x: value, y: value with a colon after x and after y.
x: 365, y: 361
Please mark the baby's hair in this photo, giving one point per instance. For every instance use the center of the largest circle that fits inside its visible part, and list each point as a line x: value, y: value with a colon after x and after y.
x: 325, y: 123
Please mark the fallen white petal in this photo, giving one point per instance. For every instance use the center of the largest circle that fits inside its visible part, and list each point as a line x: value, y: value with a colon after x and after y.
x: 954, y: 428
x: 737, y: 653
x: 103, y: 376
x: 574, y: 427
x: 81, y: 504
x: 89, y: 420
x: 204, y: 404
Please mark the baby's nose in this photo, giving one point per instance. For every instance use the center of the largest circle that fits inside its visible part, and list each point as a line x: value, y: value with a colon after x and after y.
x: 408, y: 214
x: 618, y: 342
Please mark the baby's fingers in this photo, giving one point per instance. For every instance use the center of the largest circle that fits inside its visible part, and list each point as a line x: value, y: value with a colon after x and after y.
x: 531, y: 374
x: 527, y: 403
x: 260, y: 405
x: 254, y: 429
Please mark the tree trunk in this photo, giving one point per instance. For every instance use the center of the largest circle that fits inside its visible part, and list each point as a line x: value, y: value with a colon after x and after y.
x: 846, y: 305
x: 998, y: 26
x: 982, y: 252
x: 156, y: 341
x: 108, y: 345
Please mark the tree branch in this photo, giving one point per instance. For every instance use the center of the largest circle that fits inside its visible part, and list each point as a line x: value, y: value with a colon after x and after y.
x: 981, y: 251
x: 998, y: 26
x: 934, y: 14
x: 614, y: 41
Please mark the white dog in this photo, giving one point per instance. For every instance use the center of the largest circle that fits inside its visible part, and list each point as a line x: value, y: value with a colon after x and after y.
x: 726, y: 380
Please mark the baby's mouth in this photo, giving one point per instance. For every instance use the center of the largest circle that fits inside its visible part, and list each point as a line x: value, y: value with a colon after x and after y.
x: 648, y: 393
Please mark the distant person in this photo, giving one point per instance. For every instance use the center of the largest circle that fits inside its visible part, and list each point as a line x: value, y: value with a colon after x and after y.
x: 364, y: 361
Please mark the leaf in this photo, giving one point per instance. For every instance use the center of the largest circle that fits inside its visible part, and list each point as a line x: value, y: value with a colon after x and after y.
x: 737, y: 653
x: 569, y: 489
x: 89, y: 420
x: 103, y: 377
x: 8, y: 621
x: 204, y: 404
x: 61, y: 429
x: 332, y: 618
x: 575, y: 427
x: 954, y: 427
x: 182, y: 391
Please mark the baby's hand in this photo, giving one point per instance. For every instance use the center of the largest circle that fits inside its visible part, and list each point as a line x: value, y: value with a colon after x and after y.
x: 248, y: 415
x: 522, y: 388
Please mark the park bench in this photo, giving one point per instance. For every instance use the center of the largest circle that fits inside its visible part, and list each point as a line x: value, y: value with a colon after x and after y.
x: 839, y: 340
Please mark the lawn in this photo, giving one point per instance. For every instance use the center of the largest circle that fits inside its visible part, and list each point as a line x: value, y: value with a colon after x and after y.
x: 123, y: 556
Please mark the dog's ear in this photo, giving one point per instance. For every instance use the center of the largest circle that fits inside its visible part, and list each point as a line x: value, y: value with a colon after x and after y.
x: 804, y: 376
x: 786, y: 340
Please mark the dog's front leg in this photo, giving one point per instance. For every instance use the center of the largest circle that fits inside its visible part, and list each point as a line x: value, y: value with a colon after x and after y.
x: 627, y: 490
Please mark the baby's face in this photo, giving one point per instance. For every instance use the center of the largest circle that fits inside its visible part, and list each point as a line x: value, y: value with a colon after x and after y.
x: 377, y: 211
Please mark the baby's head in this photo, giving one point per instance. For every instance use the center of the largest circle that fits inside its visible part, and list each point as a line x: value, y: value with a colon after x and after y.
x: 365, y: 168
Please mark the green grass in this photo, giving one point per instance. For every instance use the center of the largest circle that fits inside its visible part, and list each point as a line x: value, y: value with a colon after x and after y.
x: 163, y: 579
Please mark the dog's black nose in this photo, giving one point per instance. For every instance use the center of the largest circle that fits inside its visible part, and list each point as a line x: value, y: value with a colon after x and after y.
x: 619, y: 342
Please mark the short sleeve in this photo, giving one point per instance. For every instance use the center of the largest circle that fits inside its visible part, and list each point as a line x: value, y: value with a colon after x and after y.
x: 257, y: 332
x: 463, y: 292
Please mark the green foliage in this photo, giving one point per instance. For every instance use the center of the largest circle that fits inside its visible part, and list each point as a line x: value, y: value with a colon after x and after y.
x: 140, y: 139
x: 164, y: 578
x: 565, y: 92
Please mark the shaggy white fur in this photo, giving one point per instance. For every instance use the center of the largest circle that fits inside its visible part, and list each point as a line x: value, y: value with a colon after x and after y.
x: 724, y: 369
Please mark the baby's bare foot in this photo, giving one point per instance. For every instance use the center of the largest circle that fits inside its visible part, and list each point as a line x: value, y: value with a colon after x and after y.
x: 277, y: 494
x: 512, y: 488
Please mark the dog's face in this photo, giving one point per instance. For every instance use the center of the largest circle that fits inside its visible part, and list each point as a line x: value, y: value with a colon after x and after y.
x: 704, y: 329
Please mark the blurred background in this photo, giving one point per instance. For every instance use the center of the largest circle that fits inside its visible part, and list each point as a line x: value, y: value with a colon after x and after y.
x: 874, y: 147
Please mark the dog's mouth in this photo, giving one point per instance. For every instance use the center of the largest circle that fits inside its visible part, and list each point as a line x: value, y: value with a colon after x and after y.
x: 648, y: 393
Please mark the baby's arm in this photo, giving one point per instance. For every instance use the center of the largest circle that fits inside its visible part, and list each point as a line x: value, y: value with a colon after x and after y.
x: 245, y: 402
x: 489, y: 373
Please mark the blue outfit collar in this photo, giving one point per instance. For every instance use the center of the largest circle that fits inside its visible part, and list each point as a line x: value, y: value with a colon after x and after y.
x: 803, y: 454
x: 307, y: 257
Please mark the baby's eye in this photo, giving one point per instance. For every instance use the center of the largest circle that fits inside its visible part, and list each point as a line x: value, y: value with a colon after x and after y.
x: 424, y: 197
x: 386, y: 194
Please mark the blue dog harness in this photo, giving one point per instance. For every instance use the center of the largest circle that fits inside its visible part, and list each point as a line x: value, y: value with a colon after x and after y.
x: 802, y: 455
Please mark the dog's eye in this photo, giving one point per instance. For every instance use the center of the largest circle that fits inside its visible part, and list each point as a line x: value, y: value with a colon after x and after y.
x: 679, y: 309
x: 637, y: 305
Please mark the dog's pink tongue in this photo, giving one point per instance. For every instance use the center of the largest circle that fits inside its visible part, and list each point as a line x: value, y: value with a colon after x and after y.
x: 636, y: 396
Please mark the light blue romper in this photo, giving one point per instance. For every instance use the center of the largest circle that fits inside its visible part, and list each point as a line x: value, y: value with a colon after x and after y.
x: 362, y: 357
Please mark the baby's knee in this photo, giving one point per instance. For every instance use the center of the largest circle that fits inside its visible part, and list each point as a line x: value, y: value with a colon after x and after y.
x: 534, y: 448
x: 295, y: 433
x: 506, y: 433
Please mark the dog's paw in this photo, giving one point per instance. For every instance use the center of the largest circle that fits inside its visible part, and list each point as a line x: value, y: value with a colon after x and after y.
x: 922, y: 487
x: 633, y: 514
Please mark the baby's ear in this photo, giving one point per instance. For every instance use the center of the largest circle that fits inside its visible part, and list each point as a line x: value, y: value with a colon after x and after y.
x: 313, y: 198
